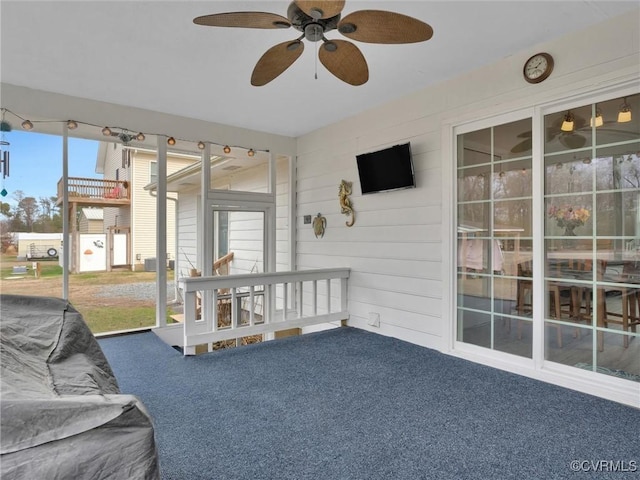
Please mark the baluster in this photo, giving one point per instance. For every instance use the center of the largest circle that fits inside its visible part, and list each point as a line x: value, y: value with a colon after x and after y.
x: 234, y: 309
x: 328, y: 295
x: 215, y: 310
x: 284, y: 300
x: 252, y: 320
x: 314, y: 298
x: 300, y: 287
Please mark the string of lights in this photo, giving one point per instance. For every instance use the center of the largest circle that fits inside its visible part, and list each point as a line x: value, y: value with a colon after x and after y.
x: 123, y: 134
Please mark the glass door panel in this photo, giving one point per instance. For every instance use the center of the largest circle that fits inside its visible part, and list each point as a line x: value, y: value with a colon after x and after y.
x: 494, y: 283
x: 592, y: 187
x: 239, y: 248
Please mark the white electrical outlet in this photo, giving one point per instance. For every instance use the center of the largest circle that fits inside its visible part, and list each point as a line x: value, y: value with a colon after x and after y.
x: 374, y: 319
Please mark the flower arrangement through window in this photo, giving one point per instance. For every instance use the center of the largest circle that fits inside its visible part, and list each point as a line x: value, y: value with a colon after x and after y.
x: 569, y: 217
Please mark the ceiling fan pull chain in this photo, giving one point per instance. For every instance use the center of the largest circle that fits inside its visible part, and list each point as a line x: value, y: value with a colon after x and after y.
x: 316, y: 62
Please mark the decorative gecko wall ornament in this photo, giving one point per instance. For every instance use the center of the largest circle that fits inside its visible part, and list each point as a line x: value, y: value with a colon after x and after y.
x: 345, y: 204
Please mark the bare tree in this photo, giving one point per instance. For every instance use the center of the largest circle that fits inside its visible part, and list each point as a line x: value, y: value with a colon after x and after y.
x: 26, y: 210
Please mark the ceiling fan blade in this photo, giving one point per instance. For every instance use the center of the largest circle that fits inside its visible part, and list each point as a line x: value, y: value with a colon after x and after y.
x: 378, y: 26
x: 275, y: 61
x: 243, y: 20
x: 521, y: 147
x: 320, y: 8
x: 572, y: 140
x: 345, y: 61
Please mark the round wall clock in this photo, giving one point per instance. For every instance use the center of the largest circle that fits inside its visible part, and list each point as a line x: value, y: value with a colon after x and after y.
x: 538, y: 68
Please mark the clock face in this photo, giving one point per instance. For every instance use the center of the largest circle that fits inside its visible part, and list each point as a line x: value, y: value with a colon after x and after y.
x: 538, y: 68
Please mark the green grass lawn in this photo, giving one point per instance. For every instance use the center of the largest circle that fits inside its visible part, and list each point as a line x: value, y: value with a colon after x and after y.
x: 109, y: 319
x: 103, y: 314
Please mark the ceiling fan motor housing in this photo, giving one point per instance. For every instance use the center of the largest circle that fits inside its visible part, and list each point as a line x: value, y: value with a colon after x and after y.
x: 312, y: 28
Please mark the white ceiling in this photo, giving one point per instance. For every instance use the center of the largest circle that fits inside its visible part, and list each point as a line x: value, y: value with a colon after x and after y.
x: 149, y: 54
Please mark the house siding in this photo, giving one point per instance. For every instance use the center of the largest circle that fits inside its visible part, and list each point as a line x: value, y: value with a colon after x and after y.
x: 90, y: 226
x: 398, y: 249
x: 141, y: 215
x: 144, y: 206
x: 188, y: 234
x: 115, y: 216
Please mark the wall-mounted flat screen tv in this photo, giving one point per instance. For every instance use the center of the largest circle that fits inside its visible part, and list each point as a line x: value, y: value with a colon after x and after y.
x: 384, y: 170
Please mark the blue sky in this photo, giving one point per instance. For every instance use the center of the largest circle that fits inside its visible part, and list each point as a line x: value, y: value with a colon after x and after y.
x: 36, y: 163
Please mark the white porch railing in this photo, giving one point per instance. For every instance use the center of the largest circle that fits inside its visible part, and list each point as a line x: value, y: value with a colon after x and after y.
x: 259, y: 303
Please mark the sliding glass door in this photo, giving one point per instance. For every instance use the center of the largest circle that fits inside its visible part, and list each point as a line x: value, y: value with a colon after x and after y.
x: 584, y: 255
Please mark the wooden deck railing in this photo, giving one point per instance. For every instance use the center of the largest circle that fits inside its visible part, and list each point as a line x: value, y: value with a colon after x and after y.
x: 95, y: 188
x: 221, y: 265
x: 260, y: 303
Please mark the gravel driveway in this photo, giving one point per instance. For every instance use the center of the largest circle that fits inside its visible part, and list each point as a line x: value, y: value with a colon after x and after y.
x: 137, y: 291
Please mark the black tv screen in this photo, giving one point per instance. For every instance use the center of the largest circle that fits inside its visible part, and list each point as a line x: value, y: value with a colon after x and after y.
x: 388, y: 169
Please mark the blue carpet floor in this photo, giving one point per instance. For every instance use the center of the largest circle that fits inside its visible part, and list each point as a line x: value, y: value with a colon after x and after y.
x: 348, y: 404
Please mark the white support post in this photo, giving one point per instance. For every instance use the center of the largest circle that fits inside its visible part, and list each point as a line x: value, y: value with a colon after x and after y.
x: 161, y: 234
x: 343, y: 295
x: 205, y: 256
x: 66, y: 239
x: 190, y: 307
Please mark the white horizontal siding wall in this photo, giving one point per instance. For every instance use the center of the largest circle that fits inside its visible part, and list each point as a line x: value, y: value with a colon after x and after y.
x: 187, y: 235
x: 143, y: 206
x: 398, y: 250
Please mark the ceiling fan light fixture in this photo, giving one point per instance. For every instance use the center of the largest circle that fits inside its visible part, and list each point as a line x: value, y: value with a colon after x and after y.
x: 313, y: 32
x: 567, y: 122
x: 624, y: 115
x: 226, y: 149
x: 27, y: 125
x: 597, y: 121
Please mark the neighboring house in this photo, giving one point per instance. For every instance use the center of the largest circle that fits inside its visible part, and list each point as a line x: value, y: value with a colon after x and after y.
x: 138, y: 168
x: 91, y: 220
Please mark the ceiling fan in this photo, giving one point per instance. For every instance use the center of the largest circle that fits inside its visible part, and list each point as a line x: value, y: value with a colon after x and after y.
x: 571, y: 140
x: 314, y: 18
